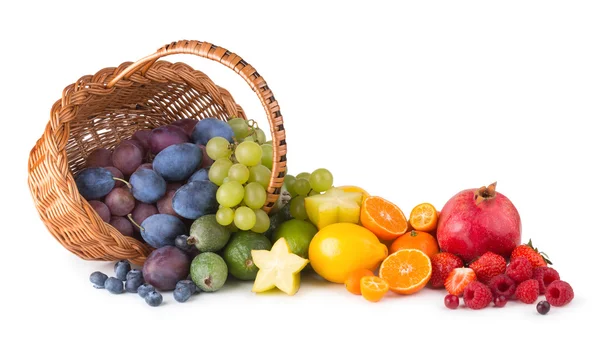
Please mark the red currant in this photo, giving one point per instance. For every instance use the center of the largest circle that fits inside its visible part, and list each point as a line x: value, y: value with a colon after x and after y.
x: 500, y: 301
x: 451, y: 301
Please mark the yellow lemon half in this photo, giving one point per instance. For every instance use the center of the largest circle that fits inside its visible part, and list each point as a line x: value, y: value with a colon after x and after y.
x: 339, y: 249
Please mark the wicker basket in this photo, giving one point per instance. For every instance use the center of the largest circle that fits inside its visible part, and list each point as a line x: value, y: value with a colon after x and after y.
x: 100, y: 110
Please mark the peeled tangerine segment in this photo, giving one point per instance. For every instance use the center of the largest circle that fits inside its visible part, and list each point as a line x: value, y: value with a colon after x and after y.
x: 335, y: 205
x: 278, y: 268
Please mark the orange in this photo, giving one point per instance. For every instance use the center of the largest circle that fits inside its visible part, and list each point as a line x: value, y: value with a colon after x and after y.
x: 424, y: 217
x: 383, y: 218
x: 416, y: 240
x: 353, y: 280
x: 373, y: 288
x: 406, y: 271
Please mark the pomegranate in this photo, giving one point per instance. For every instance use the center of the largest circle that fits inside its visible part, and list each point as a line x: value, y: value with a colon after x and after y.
x: 476, y: 221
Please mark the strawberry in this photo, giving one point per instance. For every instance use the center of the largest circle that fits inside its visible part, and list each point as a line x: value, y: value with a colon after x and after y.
x: 441, y: 266
x: 487, y: 266
x: 536, y: 258
x: 458, y: 280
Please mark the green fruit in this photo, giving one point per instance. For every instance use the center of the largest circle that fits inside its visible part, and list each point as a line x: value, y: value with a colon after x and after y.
x: 208, y: 271
x: 298, y: 234
x: 208, y: 235
x: 238, y: 254
x: 277, y: 219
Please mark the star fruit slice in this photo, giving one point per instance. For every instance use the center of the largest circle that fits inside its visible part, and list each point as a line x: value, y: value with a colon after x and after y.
x: 333, y: 206
x: 277, y: 268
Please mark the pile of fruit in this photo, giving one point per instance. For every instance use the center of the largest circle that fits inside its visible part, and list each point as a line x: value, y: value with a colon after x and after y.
x: 194, y: 191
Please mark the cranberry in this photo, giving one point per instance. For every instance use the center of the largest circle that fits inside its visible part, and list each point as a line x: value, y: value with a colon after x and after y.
x: 451, y: 301
x: 543, y: 307
x: 500, y: 301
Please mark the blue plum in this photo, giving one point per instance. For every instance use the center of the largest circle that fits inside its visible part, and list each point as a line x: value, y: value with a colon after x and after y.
x: 160, y: 230
x: 208, y: 128
x: 94, y: 183
x: 166, y: 266
x: 147, y: 186
x: 200, y: 175
x: 196, y: 199
x: 177, y: 162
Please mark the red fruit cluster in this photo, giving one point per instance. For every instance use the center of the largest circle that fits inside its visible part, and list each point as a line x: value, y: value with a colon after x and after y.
x: 488, y: 279
x: 488, y: 266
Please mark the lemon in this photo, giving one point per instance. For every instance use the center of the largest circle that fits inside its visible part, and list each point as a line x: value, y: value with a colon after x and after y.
x: 332, y: 207
x: 339, y: 249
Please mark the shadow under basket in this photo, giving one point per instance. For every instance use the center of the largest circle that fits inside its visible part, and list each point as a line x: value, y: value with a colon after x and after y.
x: 102, y: 109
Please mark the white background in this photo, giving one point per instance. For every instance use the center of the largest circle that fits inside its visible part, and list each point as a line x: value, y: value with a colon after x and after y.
x: 413, y: 102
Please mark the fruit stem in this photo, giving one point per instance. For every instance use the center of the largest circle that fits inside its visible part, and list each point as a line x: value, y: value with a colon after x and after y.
x: 485, y: 193
x: 125, y: 182
x: 135, y: 223
x: 542, y: 254
x: 191, y: 240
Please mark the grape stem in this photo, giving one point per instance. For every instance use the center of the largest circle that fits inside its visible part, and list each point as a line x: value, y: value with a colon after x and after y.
x: 254, y: 125
x: 125, y: 182
x: 135, y: 223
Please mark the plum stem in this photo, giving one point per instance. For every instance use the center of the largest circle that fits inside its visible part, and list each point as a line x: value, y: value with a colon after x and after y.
x: 130, y: 217
x: 485, y: 193
x: 123, y: 181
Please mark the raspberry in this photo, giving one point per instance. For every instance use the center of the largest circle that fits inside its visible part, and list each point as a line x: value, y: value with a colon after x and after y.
x: 528, y: 291
x: 502, y: 285
x: 559, y: 293
x: 545, y: 276
x: 477, y: 295
x: 519, y: 270
x: 487, y: 266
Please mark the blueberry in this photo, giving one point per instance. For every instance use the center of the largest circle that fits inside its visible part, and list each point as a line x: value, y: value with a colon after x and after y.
x: 114, y: 285
x: 182, y: 293
x: 134, y: 273
x: 145, y: 289
x: 122, y: 267
x: 189, y: 284
x: 154, y: 298
x: 98, y: 279
x: 132, y: 284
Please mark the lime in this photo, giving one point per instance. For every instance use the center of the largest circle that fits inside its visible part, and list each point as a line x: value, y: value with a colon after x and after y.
x: 238, y: 254
x: 208, y: 235
x: 208, y: 271
x: 298, y: 234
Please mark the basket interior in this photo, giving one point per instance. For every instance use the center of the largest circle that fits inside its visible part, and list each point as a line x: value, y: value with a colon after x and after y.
x: 105, y: 120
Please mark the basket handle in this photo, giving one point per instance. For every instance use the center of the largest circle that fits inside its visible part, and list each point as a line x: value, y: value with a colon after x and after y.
x: 250, y: 75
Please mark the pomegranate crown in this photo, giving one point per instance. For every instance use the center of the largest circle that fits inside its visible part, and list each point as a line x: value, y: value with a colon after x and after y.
x: 485, y: 193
